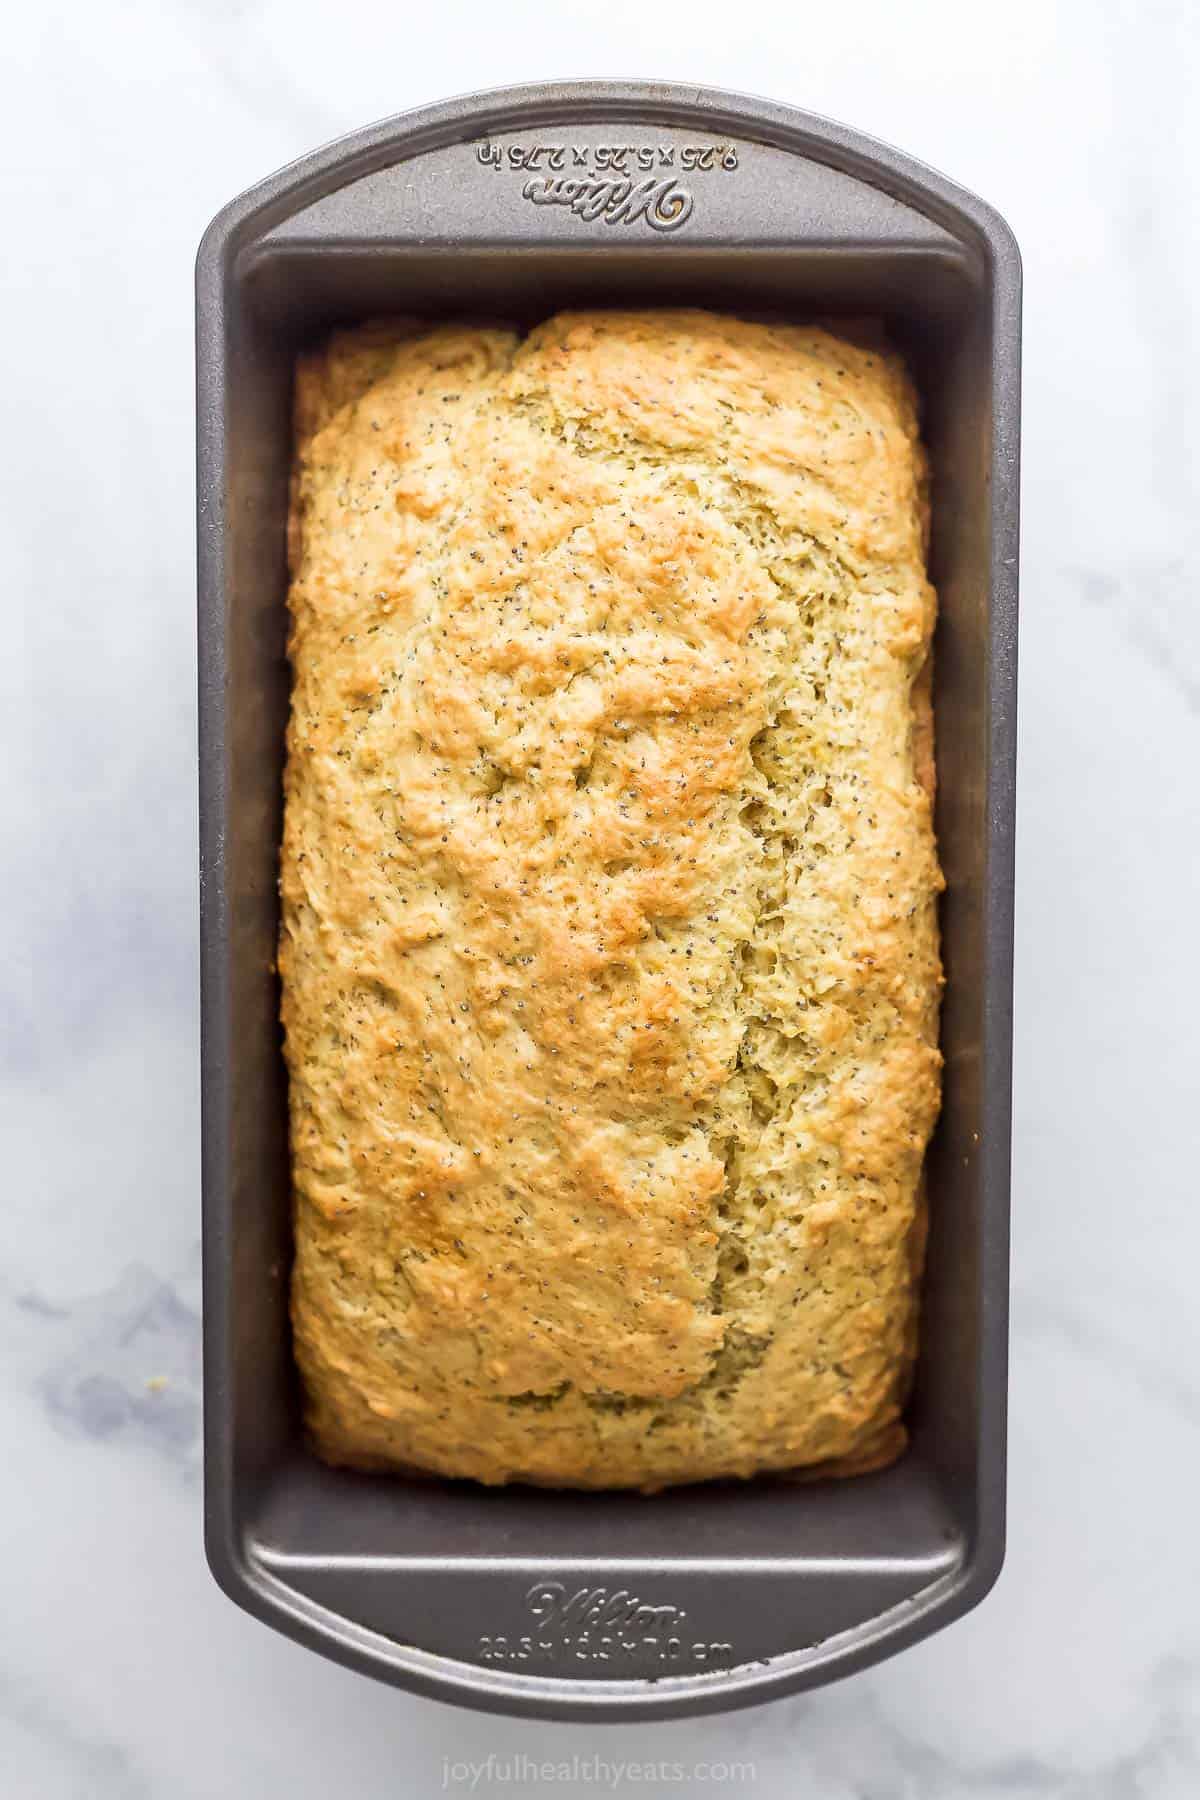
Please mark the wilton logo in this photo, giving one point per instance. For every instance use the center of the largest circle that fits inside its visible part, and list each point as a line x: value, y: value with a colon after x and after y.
x: 602, y: 1625
x: 664, y: 205
x: 615, y: 184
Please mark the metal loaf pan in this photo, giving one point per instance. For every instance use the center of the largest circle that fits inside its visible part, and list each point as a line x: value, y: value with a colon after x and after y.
x: 510, y: 205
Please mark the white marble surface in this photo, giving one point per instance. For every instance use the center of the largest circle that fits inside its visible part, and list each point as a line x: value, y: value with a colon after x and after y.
x: 123, y: 1672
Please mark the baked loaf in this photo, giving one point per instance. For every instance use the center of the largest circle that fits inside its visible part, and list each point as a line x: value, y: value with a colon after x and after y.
x: 609, y: 946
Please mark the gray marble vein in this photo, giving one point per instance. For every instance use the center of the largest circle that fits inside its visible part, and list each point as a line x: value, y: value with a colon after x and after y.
x: 1166, y: 1366
x: 132, y: 1370
x: 124, y: 1673
x: 1147, y: 604
x: 229, y: 36
x: 45, y: 1752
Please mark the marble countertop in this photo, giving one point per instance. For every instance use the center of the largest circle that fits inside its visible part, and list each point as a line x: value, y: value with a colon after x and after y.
x: 124, y: 1673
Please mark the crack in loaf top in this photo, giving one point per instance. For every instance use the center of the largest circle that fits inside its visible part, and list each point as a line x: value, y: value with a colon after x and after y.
x: 609, y: 939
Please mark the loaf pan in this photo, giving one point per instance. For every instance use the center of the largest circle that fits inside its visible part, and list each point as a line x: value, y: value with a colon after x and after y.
x: 511, y: 205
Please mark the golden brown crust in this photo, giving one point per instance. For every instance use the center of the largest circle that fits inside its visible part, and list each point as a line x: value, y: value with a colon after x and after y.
x: 609, y: 944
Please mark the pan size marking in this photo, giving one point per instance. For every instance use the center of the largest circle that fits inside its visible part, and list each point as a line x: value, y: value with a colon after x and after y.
x: 617, y: 184
x: 603, y: 1625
